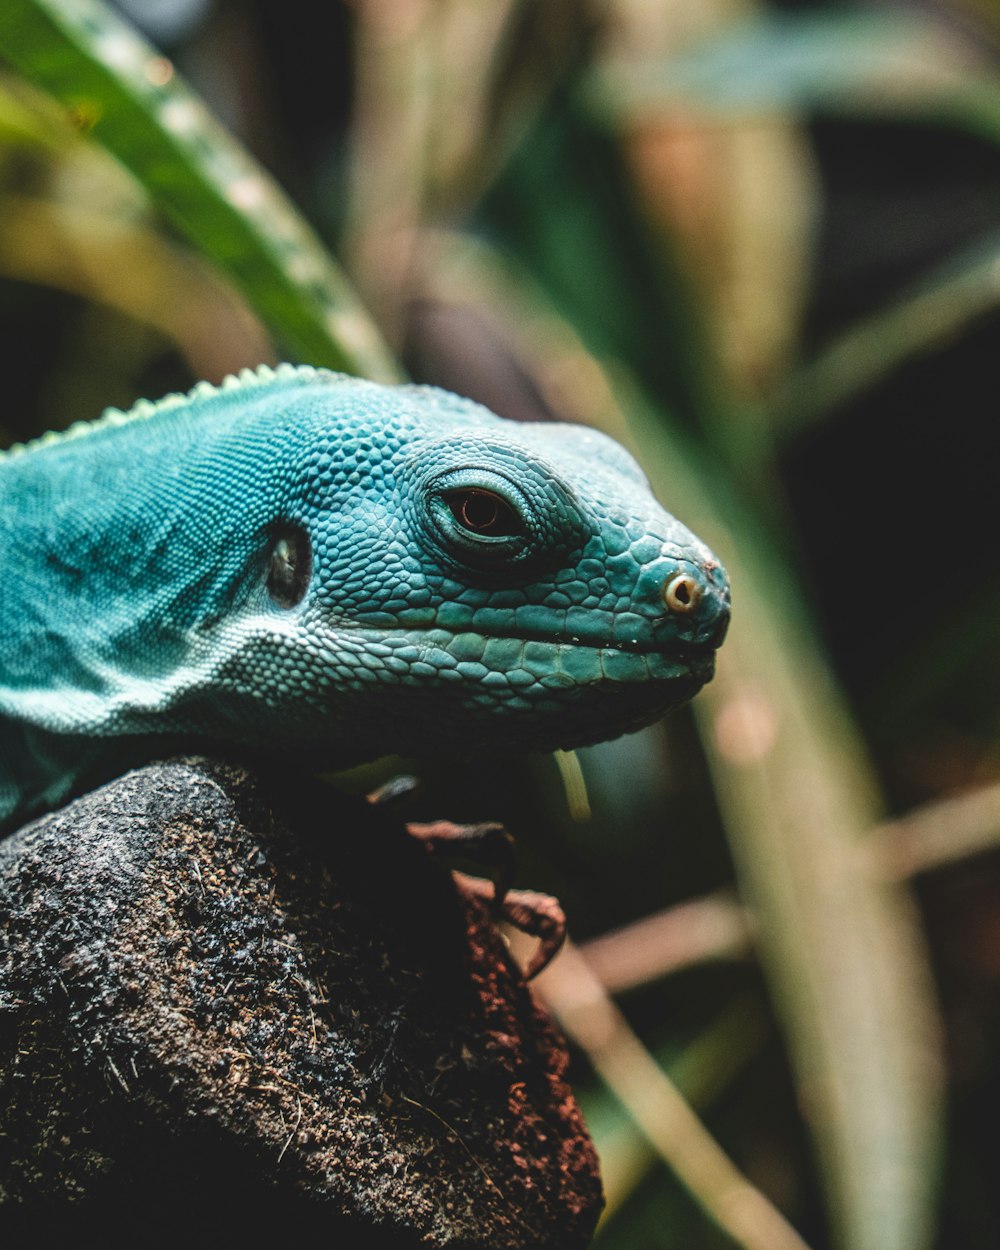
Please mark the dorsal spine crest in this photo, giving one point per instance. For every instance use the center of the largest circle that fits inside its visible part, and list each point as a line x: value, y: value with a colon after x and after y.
x: 143, y: 409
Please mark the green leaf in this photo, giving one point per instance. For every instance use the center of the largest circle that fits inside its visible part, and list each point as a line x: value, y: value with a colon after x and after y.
x: 132, y: 101
x: 926, y: 317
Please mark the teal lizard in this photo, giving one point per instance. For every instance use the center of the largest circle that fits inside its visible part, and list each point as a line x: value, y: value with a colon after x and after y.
x: 332, y: 570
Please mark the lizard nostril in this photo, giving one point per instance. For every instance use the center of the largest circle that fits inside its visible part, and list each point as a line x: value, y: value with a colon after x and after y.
x: 681, y: 593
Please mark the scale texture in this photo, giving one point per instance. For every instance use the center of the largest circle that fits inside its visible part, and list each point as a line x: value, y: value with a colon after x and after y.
x: 333, y: 570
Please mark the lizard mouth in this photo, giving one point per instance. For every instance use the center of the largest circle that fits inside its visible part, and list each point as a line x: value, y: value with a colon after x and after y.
x: 628, y: 646
x: 694, y: 654
x: 532, y: 657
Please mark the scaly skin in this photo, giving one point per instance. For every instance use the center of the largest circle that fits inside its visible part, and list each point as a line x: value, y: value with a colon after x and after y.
x: 333, y: 570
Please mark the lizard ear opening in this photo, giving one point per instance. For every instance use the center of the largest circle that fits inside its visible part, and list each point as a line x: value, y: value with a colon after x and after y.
x: 289, y: 565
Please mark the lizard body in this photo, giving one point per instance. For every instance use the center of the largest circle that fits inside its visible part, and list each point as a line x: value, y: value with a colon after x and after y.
x: 334, y: 570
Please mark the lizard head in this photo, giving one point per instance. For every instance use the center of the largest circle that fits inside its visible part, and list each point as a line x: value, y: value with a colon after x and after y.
x: 305, y: 561
x: 450, y: 580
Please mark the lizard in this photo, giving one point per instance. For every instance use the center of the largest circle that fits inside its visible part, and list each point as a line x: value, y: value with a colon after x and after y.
x: 301, y: 562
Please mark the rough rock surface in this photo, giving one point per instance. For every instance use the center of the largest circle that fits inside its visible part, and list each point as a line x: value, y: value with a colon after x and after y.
x: 229, y: 1018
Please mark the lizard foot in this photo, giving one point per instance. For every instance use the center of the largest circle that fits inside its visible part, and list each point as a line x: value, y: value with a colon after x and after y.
x: 487, y: 845
x: 539, y: 915
x: 492, y: 847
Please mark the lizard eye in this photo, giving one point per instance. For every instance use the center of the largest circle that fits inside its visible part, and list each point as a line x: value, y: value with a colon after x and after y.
x: 484, y: 514
x: 480, y: 527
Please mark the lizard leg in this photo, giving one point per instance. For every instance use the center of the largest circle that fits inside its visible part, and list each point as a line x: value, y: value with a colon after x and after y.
x: 488, y: 845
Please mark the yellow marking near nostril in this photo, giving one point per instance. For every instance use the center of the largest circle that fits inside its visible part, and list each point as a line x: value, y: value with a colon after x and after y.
x: 681, y: 593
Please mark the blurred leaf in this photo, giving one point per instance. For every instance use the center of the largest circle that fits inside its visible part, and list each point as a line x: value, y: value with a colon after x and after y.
x: 122, y: 263
x: 842, y: 951
x: 589, y: 1017
x: 443, y: 91
x: 712, y: 927
x: 130, y: 98
x: 737, y: 196
x: 702, y: 1071
x: 739, y: 203
x: 563, y: 207
x: 924, y: 318
x: 21, y: 125
x: 390, y: 152
x: 939, y: 833
x: 853, y: 62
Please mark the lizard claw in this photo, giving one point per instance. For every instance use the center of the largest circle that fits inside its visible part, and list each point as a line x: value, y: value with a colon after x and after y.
x: 538, y: 915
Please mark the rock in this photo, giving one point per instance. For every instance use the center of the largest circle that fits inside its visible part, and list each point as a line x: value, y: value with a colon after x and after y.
x: 228, y: 1015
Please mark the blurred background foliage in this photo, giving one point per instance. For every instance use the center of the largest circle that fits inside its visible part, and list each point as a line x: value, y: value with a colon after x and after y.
x: 761, y: 245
